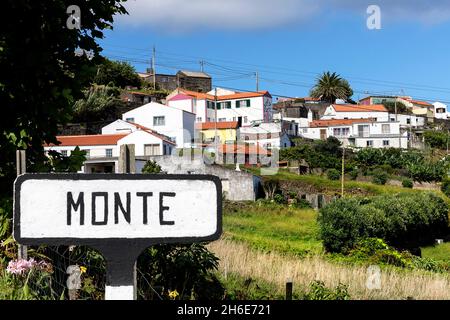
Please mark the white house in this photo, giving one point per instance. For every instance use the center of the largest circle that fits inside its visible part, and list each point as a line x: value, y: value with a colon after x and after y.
x: 102, y: 150
x: 440, y: 110
x: 267, y: 135
x: 175, y: 123
x: 346, y: 111
x: 358, y: 133
x: 246, y: 107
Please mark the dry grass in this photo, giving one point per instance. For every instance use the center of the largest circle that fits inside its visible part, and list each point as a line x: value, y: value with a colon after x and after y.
x: 277, y: 268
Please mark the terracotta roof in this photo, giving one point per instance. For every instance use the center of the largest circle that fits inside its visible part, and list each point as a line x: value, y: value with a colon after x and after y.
x: 337, y: 122
x: 220, y: 125
x: 238, y: 95
x: 359, y: 108
x: 422, y: 103
x: 90, y: 140
x: 242, y: 149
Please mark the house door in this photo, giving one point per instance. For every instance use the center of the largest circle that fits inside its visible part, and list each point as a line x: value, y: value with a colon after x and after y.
x: 323, y: 134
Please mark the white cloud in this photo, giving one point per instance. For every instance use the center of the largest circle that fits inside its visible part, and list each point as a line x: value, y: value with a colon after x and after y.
x: 187, y: 15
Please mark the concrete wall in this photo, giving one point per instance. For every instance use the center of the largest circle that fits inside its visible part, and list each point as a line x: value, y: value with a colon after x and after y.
x: 237, y: 185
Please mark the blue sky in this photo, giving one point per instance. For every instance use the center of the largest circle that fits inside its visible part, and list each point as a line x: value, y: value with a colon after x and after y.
x: 290, y: 42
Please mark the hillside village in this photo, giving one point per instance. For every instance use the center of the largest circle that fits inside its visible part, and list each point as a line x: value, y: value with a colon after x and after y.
x: 215, y: 119
x: 252, y: 165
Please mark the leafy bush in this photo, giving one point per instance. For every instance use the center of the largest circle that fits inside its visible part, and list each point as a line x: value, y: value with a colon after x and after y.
x: 379, y: 177
x: 318, y: 291
x: 402, y: 220
x: 279, y: 198
x: 407, y: 183
x: 333, y: 174
x: 353, y: 174
x: 151, y: 167
x: 436, y: 139
x: 186, y: 269
x: 445, y: 186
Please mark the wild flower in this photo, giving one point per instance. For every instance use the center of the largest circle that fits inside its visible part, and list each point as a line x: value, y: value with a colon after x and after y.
x: 173, y: 294
x: 20, y: 266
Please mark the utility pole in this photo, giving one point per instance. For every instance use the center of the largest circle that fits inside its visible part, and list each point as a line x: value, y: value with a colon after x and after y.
x: 257, y: 81
x: 153, y: 68
x: 215, y: 125
x: 399, y: 126
x: 343, y: 170
x: 202, y: 63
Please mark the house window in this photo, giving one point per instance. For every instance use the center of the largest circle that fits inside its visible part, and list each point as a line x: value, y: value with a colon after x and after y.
x: 222, y: 119
x: 130, y: 119
x: 385, y: 143
x: 385, y: 128
x: 369, y: 143
x: 152, y: 149
x: 234, y: 118
x: 341, y: 132
x: 208, y: 119
x: 64, y: 153
x: 408, y: 121
x: 363, y: 130
x: 392, y: 119
x: 88, y: 153
x: 199, y: 119
x: 243, y: 103
x: 224, y: 105
x: 108, y: 153
x: 245, y: 119
x: 159, y: 121
x: 305, y: 130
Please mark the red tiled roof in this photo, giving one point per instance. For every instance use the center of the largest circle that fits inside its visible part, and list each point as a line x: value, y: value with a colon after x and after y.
x: 422, y: 103
x: 89, y: 140
x: 242, y: 149
x: 337, y: 122
x: 220, y: 125
x: 359, y: 108
x: 238, y: 95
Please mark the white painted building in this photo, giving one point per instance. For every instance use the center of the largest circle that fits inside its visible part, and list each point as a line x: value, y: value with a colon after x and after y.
x: 440, y: 111
x: 246, y: 107
x: 102, y: 150
x: 346, y: 111
x: 407, y: 120
x: 360, y: 133
x: 267, y: 135
x: 175, y: 123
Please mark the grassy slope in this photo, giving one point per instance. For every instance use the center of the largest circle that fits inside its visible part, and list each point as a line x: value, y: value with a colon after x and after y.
x: 439, y: 252
x: 274, y: 227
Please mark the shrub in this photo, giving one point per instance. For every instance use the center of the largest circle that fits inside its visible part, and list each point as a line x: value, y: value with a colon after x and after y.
x: 353, y: 174
x: 445, y: 186
x: 279, y: 198
x: 333, y: 174
x: 436, y: 139
x: 151, y: 167
x: 407, y: 183
x: 318, y: 291
x: 402, y: 220
x: 379, y: 177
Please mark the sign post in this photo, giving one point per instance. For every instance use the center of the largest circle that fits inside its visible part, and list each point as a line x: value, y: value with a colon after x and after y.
x: 118, y: 214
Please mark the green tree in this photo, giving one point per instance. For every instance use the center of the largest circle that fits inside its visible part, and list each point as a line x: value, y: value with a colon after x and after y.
x: 100, y: 102
x: 151, y: 167
x: 116, y: 73
x: 41, y: 75
x: 330, y: 86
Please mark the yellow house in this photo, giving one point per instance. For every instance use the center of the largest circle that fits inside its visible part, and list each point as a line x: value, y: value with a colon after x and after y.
x: 226, y: 131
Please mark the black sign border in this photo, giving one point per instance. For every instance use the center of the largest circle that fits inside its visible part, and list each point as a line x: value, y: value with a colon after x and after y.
x: 94, y: 242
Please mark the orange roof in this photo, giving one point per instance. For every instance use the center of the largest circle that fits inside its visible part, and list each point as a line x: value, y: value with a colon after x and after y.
x: 90, y: 140
x: 220, y: 125
x: 337, y: 122
x: 422, y: 103
x: 359, y: 108
x: 238, y: 95
x: 242, y: 149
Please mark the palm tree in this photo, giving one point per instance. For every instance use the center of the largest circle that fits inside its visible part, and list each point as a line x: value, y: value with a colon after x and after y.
x: 330, y: 86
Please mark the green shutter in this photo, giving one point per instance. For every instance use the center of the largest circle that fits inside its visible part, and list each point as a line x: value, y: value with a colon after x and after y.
x: 248, y: 102
x: 228, y: 104
x: 238, y: 104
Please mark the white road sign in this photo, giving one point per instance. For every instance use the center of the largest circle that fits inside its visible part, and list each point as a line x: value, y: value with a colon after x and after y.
x: 90, y: 208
